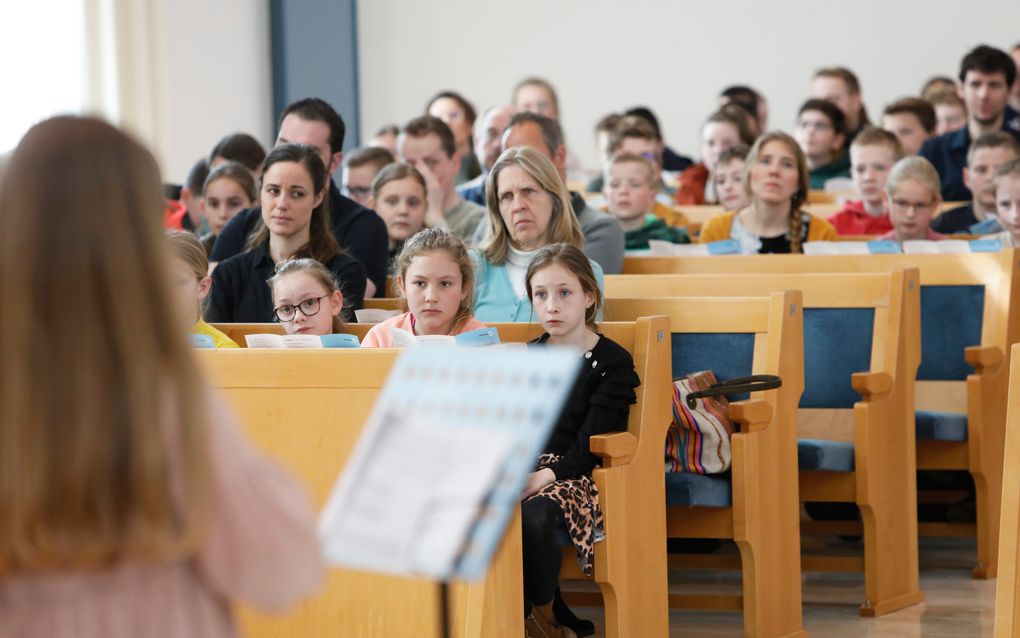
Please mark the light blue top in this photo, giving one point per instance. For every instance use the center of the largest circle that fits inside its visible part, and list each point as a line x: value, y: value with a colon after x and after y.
x: 495, y: 300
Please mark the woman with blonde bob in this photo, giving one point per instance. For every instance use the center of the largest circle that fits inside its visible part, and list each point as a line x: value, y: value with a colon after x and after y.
x: 776, y: 183
x: 130, y: 503
x: 529, y: 207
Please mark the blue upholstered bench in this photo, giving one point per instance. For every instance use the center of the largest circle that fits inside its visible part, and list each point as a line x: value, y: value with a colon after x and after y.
x: 820, y: 455
x: 828, y: 365
x: 727, y: 355
x: 951, y: 319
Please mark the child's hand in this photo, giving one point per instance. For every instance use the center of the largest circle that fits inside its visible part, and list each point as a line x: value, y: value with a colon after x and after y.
x: 536, y: 481
x: 434, y: 199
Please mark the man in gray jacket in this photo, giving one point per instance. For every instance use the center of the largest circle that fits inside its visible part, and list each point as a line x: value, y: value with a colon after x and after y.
x: 603, y: 236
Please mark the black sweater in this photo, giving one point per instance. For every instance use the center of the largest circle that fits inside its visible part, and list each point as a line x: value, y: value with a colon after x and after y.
x: 240, y: 293
x: 358, y: 230
x: 598, y: 403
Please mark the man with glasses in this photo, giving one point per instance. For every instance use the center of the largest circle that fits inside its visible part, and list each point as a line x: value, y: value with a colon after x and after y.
x: 820, y: 133
x: 360, y: 168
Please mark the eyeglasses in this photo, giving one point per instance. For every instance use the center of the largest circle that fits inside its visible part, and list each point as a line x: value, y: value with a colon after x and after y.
x: 308, y: 307
x: 920, y: 207
x: 357, y: 192
x: 818, y: 126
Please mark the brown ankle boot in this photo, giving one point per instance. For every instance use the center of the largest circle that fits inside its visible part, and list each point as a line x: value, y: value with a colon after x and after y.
x: 541, y: 623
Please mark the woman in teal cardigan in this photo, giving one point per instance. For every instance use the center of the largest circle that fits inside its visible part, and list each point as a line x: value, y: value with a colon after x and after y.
x: 529, y: 207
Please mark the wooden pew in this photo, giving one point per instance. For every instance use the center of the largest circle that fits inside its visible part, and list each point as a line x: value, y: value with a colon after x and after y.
x: 1007, y: 592
x: 969, y: 319
x: 306, y: 408
x: 384, y: 303
x: 237, y: 331
x: 316, y: 388
x: 757, y: 504
x: 862, y: 336
x: 630, y: 564
x: 698, y: 215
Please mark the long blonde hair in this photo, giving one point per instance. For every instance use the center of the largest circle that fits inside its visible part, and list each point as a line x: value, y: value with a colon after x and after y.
x: 186, y: 248
x: 98, y: 389
x: 430, y: 240
x: 563, y: 225
x: 803, y: 180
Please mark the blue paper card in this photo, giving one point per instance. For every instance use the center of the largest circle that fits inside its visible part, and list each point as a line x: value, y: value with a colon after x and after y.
x: 884, y: 247
x: 202, y: 341
x: 340, y: 341
x: 985, y: 246
x: 724, y: 247
x: 478, y: 338
x: 985, y: 227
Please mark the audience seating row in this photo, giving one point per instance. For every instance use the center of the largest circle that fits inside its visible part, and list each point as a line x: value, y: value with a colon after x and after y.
x: 735, y: 325
x: 861, y: 337
x: 968, y: 321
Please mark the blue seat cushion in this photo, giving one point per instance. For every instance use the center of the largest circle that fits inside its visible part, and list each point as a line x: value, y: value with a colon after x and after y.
x: 825, y: 456
x: 837, y: 343
x: 951, y: 319
x: 705, y: 490
x: 728, y: 355
x: 941, y: 426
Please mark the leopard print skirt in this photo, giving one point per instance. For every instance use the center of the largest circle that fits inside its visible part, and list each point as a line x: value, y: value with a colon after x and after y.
x: 579, y: 500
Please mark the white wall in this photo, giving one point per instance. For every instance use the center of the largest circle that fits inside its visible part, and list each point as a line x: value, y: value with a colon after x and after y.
x: 220, y: 73
x: 607, y: 55
x: 207, y: 74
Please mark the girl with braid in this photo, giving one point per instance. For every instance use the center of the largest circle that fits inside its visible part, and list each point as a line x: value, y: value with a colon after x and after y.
x: 776, y: 183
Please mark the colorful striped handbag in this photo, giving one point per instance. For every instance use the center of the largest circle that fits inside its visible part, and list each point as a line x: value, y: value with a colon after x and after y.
x: 698, y: 440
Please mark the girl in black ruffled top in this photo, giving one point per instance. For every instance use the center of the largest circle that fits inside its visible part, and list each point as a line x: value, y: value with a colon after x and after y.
x: 561, y: 493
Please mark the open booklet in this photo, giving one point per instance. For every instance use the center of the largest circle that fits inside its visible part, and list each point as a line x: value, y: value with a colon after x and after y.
x: 473, y: 339
x: 437, y: 472
x: 301, y: 341
x: 886, y: 246
x: 659, y: 248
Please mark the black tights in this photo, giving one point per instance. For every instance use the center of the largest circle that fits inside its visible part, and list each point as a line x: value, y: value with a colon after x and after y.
x: 541, y: 519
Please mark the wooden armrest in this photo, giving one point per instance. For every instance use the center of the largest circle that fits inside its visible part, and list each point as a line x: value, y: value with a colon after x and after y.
x: 615, y: 449
x: 983, y: 358
x: 872, y: 385
x: 752, y: 415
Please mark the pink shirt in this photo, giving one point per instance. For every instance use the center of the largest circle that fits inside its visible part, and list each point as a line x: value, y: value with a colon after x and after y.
x: 379, y: 336
x: 261, y: 549
x: 932, y: 235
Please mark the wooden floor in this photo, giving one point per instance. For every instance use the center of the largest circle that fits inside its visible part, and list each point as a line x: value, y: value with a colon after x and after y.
x: 956, y: 606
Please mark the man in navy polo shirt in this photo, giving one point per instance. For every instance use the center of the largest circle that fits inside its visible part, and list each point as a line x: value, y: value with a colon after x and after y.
x: 986, y: 76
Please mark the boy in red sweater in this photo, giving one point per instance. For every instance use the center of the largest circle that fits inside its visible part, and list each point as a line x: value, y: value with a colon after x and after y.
x: 872, y: 154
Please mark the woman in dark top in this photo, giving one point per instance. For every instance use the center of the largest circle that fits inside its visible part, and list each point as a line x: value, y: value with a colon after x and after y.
x: 565, y: 296
x: 294, y: 224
